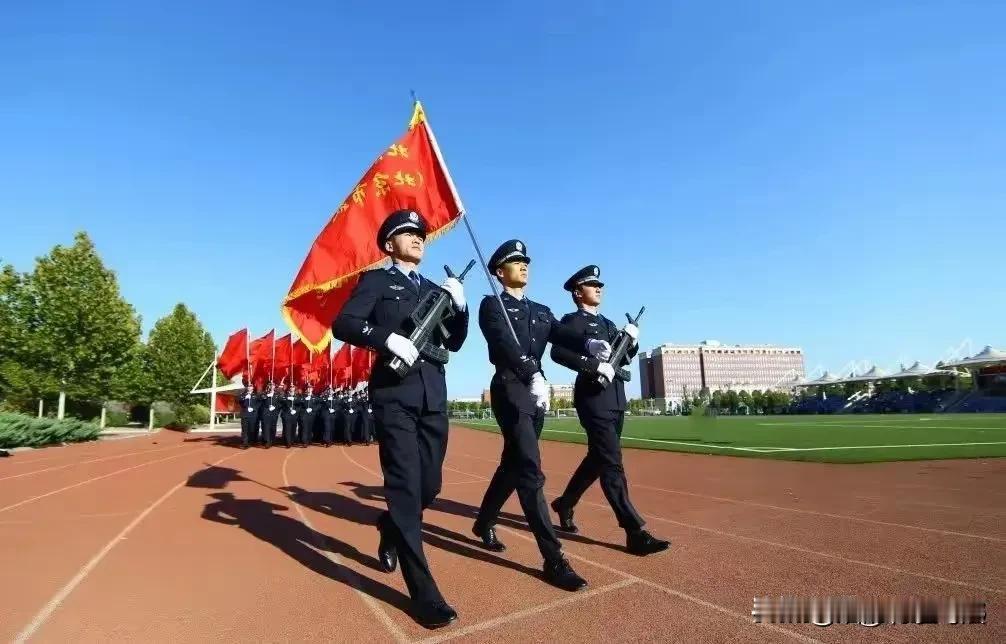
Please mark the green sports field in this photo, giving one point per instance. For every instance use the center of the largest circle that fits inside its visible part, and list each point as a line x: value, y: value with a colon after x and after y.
x: 827, y: 439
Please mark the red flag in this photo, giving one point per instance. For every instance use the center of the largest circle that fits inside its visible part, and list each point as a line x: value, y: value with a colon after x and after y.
x: 363, y: 362
x: 226, y: 404
x: 320, y: 367
x: 411, y: 174
x: 283, y: 359
x: 260, y: 354
x: 300, y: 361
x: 234, y: 358
x: 342, y: 366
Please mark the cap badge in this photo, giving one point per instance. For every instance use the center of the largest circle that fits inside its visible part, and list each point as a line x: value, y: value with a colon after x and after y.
x: 520, y: 247
x: 413, y: 217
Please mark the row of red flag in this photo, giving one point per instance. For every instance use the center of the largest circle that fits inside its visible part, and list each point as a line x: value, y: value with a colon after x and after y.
x: 283, y: 360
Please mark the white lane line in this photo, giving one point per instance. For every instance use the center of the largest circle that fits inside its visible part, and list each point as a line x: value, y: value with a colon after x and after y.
x: 630, y: 577
x: 43, y: 615
x: 787, y: 546
x: 96, y: 460
x: 351, y: 576
x: 98, y: 478
x: 528, y: 612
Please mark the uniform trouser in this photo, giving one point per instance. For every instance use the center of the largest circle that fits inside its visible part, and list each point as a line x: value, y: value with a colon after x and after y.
x: 366, y: 427
x: 249, y: 429
x: 329, y: 419
x: 413, y: 443
x: 604, y: 461
x: 348, y: 422
x: 520, y: 470
x: 269, y: 421
x: 289, y: 428
x: 306, y: 425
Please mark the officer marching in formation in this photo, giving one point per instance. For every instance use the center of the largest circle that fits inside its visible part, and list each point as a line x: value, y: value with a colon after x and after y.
x: 310, y: 406
x: 329, y: 414
x: 349, y: 418
x: 366, y: 418
x: 411, y: 411
x: 269, y: 412
x: 249, y: 402
x: 289, y: 414
x: 601, y: 410
x: 519, y: 401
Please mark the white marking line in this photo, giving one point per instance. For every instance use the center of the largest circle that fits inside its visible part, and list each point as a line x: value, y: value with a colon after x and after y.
x: 528, y: 612
x: 846, y: 517
x: 353, y: 576
x: 817, y: 449
x: 668, y: 442
x: 47, y: 610
x: 98, y: 478
x: 786, y: 546
x: 630, y: 577
x: 96, y: 460
x: 868, y: 424
x: 77, y: 517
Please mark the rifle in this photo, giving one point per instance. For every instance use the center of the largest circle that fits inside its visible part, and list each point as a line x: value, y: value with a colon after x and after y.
x: 619, y: 348
x: 429, y: 315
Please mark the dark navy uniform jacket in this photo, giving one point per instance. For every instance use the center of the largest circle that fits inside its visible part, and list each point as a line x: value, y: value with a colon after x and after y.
x: 588, y: 394
x: 253, y: 401
x: 379, y: 305
x: 535, y: 327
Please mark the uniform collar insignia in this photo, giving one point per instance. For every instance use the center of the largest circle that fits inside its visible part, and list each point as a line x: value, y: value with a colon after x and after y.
x: 396, y: 287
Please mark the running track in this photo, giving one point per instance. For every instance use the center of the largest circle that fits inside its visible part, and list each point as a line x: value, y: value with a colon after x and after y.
x: 172, y: 537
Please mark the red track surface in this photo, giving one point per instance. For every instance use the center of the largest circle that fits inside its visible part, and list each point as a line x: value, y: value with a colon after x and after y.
x: 175, y: 538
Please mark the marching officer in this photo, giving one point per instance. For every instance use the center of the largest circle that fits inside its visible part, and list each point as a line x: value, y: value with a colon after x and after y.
x: 270, y: 411
x: 519, y: 401
x: 601, y: 410
x: 249, y: 416
x: 411, y: 411
x: 329, y: 414
x: 289, y: 414
x: 349, y: 416
x: 310, y: 406
x: 367, y: 419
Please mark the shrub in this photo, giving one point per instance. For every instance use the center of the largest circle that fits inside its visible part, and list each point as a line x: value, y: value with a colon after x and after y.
x: 18, y: 430
x: 116, y: 419
x: 187, y: 416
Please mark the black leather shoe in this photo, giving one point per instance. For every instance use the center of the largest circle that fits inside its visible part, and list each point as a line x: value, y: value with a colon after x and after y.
x: 643, y: 543
x: 387, y: 554
x: 489, y: 539
x: 561, y: 575
x: 565, y: 517
x: 434, y: 614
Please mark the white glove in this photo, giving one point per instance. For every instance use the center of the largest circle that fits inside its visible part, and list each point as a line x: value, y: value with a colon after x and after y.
x: 538, y: 387
x: 606, y: 370
x: 632, y: 331
x: 403, y: 348
x: 453, y: 286
x: 600, y: 349
x: 543, y: 403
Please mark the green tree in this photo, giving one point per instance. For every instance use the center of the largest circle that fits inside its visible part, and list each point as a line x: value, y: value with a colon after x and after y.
x: 78, y: 329
x: 732, y: 400
x: 758, y: 401
x: 177, y: 353
x: 717, y: 400
x: 744, y: 398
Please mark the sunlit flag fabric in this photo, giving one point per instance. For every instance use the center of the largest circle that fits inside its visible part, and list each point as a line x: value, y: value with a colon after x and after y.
x: 234, y: 358
x: 260, y: 353
x: 283, y: 360
x: 301, y: 362
x: 410, y: 174
x: 342, y: 366
x: 363, y: 362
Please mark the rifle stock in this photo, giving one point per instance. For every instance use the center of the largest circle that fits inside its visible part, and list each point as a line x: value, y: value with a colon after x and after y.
x: 619, y: 349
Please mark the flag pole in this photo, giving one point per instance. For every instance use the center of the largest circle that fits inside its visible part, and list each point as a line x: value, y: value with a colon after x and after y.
x: 272, y: 367
x: 248, y: 367
x: 465, y: 217
x: 330, y: 357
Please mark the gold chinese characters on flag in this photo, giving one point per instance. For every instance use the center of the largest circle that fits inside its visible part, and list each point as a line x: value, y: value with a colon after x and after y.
x: 410, y: 174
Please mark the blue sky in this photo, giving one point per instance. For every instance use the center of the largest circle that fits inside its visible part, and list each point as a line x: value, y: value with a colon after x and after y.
x: 827, y: 175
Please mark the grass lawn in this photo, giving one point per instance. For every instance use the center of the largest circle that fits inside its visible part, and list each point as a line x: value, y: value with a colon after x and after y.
x: 827, y: 439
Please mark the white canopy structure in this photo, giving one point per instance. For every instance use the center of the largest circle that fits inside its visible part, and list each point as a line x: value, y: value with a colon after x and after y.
x: 824, y: 380
x: 984, y: 358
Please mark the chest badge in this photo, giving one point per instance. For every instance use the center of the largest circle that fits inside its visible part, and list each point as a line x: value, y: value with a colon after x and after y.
x: 396, y: 287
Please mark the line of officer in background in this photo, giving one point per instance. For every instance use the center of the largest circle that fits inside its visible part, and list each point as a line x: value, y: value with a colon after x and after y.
x: 249, y: 401
x: 519, y: 402
x: 601, y: 411
x: 410, y: 412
